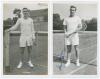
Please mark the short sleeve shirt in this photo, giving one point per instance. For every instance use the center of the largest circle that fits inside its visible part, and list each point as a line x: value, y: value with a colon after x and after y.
x: 26, y: 26
x: 72, y: 23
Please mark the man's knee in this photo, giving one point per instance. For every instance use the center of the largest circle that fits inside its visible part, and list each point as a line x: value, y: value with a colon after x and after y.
x: 68, y: 48
x: 76, y: 47
x: 29, y: 48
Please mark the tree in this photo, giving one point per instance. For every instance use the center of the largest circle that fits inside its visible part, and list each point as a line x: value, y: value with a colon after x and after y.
x: 91, y: 24
x: 57, y: 22
x: 7, y: 23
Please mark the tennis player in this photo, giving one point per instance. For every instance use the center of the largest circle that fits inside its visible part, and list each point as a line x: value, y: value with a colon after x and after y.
x: 27, y: 37
x: 72, y: 25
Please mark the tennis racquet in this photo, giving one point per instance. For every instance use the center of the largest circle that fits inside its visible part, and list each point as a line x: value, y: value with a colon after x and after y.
x: 62, y: 55
x: 36, y: 36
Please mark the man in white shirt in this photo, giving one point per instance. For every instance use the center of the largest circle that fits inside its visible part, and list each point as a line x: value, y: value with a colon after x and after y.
x: 27, y: 36
x: 72, y: 25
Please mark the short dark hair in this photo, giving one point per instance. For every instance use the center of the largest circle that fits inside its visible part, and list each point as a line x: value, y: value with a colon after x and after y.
x: 16, y: 10
x: 72, y: 6
x: 25, y: 8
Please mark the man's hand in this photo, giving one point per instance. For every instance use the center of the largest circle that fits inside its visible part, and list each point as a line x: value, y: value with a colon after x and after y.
x: 36, y: 33
x: 34, y: 39
x: 67, y: 35
x: 34, y: 42
x: 8, y: 30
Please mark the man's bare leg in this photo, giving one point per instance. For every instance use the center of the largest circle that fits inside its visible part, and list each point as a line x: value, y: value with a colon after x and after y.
x: 21, y: 57
x: 69, y: 47
x: 29, y: 56
x: 29, y: 48
x: 77, y: 54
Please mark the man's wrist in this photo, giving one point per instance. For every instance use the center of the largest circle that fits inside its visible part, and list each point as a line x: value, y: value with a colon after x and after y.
x: 9, y: 30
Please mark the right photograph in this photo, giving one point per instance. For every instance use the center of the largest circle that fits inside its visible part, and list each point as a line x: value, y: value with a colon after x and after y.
x: 75, y: 38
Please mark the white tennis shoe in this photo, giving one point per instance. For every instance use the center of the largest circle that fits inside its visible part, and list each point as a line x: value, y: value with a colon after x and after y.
x: 30, y: 64
x: 68, y: 63
x: 19, y: 65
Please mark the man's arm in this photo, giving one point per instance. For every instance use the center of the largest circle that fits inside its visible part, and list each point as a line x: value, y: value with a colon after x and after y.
x: 15, y: 26
x: 65, y: 28
x: 65, y: 25
x: 34, y: 34
x: 75, y: 31
x: 33, y: 31
x: 79, y: 27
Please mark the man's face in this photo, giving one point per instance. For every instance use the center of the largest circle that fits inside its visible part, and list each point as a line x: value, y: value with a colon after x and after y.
x: 72, y: 11
x: 25, y: 12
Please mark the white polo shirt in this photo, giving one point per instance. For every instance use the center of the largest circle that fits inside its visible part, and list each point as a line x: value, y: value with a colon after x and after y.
x: 72, y: 23
x: 26, y: 26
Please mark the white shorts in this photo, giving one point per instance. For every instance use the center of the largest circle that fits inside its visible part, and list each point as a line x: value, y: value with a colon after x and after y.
x: 25, y: 41
x: 72, y: 40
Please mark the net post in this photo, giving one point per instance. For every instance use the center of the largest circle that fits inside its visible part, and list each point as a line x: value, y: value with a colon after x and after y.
x: 6, y: 51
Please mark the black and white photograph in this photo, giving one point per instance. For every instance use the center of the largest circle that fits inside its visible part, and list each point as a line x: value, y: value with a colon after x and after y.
x: 25, y: 38
x: 45, y: 39
x: 75, y: 38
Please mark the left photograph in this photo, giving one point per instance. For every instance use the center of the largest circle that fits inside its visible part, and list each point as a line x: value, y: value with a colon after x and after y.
x: 25, y: 39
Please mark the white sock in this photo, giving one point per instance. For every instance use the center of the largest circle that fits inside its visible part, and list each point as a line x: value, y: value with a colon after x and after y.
x: 68, y: 60
x: 77, y: 60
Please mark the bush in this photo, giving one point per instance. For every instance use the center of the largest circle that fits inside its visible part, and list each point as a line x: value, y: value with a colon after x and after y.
x: 7, y: 23
x: 57, y: 22
x: 91, y: 24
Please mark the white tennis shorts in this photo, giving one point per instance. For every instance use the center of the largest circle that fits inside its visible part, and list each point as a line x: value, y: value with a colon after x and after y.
x: 72, y: 40
x: 25, y: 41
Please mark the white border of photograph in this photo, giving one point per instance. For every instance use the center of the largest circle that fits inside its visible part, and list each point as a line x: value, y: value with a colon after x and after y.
x: 1, y: 38
x: 50, y: 44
